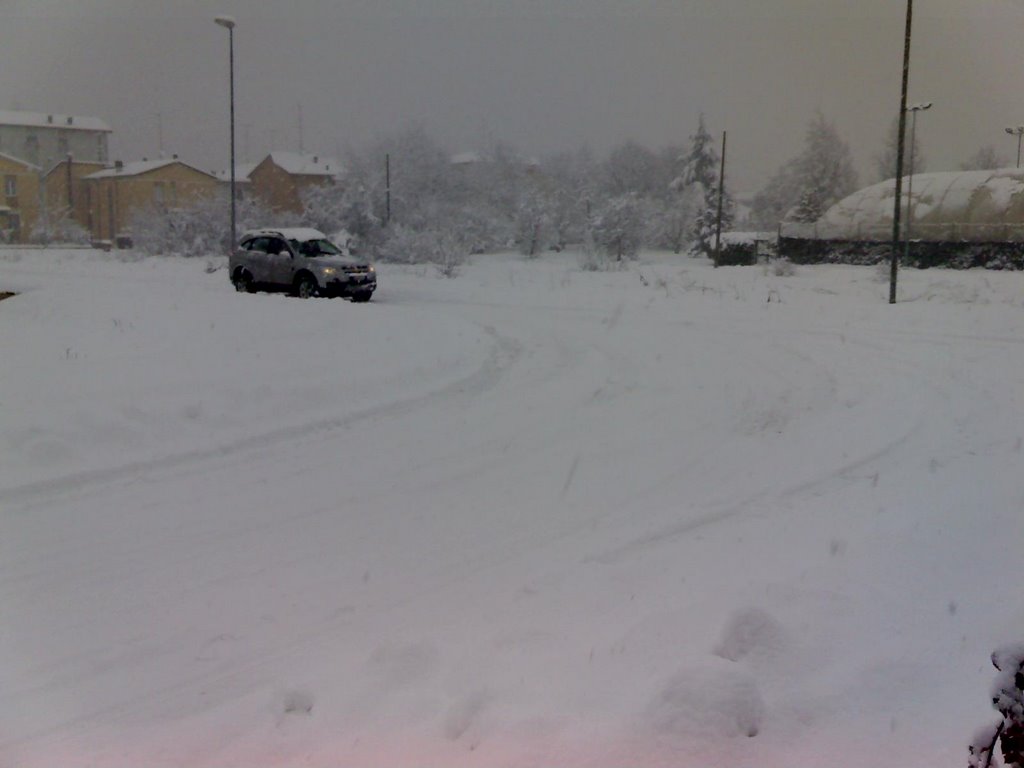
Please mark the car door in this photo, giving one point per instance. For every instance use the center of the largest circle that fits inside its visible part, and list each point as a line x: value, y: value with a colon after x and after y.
x: 256, y: 258
x: 279, y: 262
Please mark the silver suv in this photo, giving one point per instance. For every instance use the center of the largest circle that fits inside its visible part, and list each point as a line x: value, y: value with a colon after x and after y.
x: 302, y: 261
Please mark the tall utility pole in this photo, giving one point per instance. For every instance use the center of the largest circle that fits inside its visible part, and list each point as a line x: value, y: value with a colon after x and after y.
x: 895, y: 257
x: 229, y: 24
x: 387, y: 189
x: 721, y: 191
x: 302, y: 147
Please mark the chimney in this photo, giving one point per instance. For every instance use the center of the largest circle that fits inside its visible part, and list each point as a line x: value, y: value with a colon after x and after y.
x: 145, y: 159
x: 118, y: 166
x: 174, y: 157
x: 315, y: 159
x: 49, y: 119
x: 71, y: 120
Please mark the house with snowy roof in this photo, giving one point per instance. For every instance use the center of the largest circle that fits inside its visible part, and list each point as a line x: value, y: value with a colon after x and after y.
x: 44, y: 139
x: 67, y: 191
x: 243, y: 183
x: 19, y: 205
x: 115, y: 194
x: 280, y: 178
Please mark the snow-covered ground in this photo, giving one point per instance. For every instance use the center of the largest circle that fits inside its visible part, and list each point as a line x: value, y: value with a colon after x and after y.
x: 529, y: 516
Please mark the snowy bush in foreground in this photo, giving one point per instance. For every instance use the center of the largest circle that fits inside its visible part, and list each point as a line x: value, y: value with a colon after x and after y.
x: 1007, y: 699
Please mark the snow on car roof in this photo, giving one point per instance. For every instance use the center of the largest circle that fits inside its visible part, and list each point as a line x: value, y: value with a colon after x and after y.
x: 301, y: 234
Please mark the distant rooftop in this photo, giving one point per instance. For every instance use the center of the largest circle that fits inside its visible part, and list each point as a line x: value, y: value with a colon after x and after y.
x: 301, y: 164
x: 18, y: 160
x: 242, y: 171
x: 140, y: 167
x: 52, y: 120
x: 466, y: 158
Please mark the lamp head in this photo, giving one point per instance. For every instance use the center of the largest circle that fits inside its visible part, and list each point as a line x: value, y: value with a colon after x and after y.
x: 228, y: 22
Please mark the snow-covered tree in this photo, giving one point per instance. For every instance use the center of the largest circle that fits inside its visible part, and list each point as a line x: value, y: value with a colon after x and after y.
x: 533, y: 222
x: 885, y: 161
x: 701, y: 168
x: 57, y: 226
x: 670, y: 222
x: 1008, y: 700
x: 771, y: 204
x: 824, y: 171
x: 984, y: 159
x: 618, y: 227
x: 323, y: 206
x: 202, y: 228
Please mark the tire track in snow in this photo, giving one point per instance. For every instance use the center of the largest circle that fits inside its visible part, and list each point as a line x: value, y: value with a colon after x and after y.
x: 504, y: 352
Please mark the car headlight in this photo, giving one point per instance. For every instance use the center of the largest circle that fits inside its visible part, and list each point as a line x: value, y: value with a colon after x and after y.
x: 327, y: 270
x: 372, y: 269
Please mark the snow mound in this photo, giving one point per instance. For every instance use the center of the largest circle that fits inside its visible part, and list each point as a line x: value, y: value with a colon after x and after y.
x: 714, y: 702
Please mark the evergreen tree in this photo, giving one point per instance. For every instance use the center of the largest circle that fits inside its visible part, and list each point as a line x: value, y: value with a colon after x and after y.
x: 701, y: 170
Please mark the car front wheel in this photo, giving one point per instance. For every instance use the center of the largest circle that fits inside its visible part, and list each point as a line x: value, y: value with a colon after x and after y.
x: 361, y: 296
x: 243, y: 282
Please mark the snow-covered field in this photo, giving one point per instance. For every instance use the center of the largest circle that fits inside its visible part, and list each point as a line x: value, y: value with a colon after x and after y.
x: 531, y: 516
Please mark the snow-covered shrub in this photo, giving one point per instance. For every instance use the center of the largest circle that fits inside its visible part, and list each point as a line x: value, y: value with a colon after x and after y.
x: 783, y: 268
x: 200, y: 229
x: 59, y: 228
x: 618, y: 228
x: 408, y: 246
x: 1008, y: 700
x: 533, y: 223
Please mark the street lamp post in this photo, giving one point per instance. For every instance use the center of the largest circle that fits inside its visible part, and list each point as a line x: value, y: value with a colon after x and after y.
x: 913, y: 110
x: 1018, y: 131
x: 229, y: 24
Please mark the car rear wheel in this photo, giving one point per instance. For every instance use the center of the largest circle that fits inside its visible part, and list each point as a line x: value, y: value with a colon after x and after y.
x: 361, y: 296
x: 305, y: 287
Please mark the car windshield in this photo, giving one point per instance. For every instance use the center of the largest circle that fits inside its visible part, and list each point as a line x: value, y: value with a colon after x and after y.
x: 316, y: 248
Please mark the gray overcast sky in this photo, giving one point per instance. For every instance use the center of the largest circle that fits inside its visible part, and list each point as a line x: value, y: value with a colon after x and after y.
x: 542, y: 75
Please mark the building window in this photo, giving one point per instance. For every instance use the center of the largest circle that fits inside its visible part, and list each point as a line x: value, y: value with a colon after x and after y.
x: 101, y: 148
x: 32, y: 148
x: 62, y: 146
x: 10, y: 186
x: 158, y: 194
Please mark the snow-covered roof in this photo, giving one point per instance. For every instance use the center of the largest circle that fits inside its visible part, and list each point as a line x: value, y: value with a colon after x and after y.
x: 19, y: 161
x: 967, y: 200
x: 45, y: 120
x: 300, y: 164
x: 142, y: 166
x: 242, y: 171
x: 62, y: 164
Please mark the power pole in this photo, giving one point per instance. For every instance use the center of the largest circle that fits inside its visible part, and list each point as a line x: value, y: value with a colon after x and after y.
x: 895, y: 256
x: 721, y: 191
x: 302, y: 148
x: 387, y: 189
